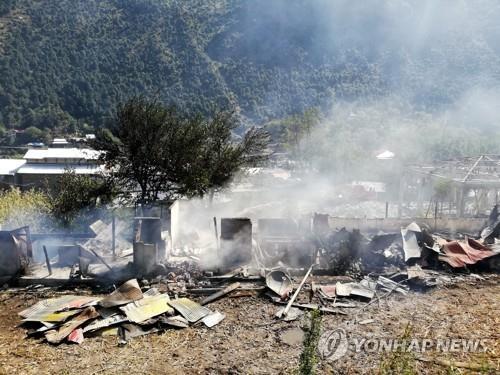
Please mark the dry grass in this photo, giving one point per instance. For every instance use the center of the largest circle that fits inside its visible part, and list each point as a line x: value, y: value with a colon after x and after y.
x: 248, y: 340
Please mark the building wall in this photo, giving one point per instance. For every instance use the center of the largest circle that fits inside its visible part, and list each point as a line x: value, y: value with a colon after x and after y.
x: 469, y: 225
x: 38, y: 181
x: 6, y: 181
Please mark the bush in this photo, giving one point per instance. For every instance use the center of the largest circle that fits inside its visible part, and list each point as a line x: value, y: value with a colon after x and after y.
x: 31, y: 208
x: 77, y: 199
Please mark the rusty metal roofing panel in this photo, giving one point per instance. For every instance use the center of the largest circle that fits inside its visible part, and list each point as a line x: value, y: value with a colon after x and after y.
x: 190, y: 310
x: 144, y: 309
x: 76, y: 336
x: 126, y: 293
x: 461, y: 253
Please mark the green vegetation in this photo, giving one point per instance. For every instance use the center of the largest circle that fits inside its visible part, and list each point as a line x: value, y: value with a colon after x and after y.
x: 6, y: 6
x: 159, y: 152
x: 400, y: 361
x: 334, y: 83
x: 345, y: 143
x: 295, y: 133
x: 70, y: 62
x: 77, y: 198
x: 18, y: 209
x: 309, y: 356
x: 74, y: 204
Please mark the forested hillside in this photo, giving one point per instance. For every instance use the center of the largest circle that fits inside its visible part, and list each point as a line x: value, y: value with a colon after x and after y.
x: 64, y: 63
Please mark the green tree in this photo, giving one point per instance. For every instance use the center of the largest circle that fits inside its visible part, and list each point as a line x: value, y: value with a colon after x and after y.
x: 77, y: 198
x: 221, y: 157
x: 32, y: 134
x: 158, y: 151
x: 295, y: 133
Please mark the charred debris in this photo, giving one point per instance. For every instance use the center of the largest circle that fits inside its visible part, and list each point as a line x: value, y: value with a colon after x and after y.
x: 146, y: 285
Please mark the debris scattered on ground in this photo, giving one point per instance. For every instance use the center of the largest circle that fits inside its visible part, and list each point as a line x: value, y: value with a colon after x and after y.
x: 283, y: 264
x: 127, y: 308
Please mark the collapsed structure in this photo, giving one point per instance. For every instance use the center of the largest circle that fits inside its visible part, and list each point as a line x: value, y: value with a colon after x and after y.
x: 468, y: 184
x: 167, y: 288
x: 171, y: 264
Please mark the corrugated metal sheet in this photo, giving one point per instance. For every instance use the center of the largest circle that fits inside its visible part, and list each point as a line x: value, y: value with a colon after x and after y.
x: 56, y: 336
x: 47, y: 310
x: 47, y: 316
x: 213, y: 319
x: 126, y: 293
x: 410, y: 243
x: 343, y: 290
x: 461, y: 253
x: 103, y: 323
x: 176, y: 321
x: 144, y: 309
x: 151, y: 293
x: 190, y: 310
x: 76, y: 336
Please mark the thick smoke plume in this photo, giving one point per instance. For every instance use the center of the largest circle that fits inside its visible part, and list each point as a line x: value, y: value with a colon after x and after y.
x: 424, y: 83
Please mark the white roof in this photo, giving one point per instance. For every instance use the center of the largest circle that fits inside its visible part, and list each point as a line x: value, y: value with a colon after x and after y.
x: 9, y: 166
x: 59, y: 169
x: 60, y: 140
x: 386, y: 155
x: 62, y: 153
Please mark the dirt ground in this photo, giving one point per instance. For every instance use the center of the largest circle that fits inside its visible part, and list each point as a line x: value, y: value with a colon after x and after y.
x: 251, y: 340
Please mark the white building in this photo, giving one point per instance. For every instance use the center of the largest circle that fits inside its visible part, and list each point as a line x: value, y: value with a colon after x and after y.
x: 41, y: 166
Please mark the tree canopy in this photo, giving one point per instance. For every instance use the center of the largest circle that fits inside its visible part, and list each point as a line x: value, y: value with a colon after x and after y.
x: 66, y: 62
x: 154, y: 151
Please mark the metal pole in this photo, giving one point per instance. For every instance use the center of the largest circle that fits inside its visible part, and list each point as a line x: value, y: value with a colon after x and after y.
x: 100, y: 258
x: 49, y: 267
x: 285, y: 311
x: 113, y: 235
x: 220, y: 293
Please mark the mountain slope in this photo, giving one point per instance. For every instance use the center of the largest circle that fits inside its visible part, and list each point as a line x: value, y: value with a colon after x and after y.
x: 66, y: 62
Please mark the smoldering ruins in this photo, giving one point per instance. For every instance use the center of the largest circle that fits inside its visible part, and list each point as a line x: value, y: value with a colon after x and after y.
x: 374, y: 217
x: 165, y: 269
x: 270, y: 250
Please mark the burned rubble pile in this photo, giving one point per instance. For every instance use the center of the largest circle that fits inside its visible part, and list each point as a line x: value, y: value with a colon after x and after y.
x: 333, y: 271
x: 127, y: 312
